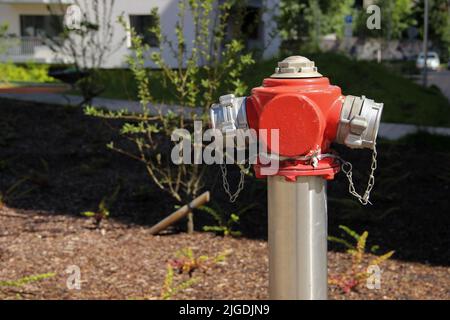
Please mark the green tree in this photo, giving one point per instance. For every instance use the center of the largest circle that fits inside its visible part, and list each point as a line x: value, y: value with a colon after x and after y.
x: 3, y: 41
x: 292, y: 23
x: 439, y: 24
x: 3, y: 28
x: 194, y: 86
x: 334, y: 13
x: 88, y: 45
x: 396, y: 17
x: 303, y: 22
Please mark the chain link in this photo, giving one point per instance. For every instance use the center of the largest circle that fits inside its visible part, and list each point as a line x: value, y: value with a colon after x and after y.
x: 347, y: 168
x: 226, y: 185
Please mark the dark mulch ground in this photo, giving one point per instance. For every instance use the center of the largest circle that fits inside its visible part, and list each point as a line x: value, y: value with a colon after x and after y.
x: 69, y: 170
x: 125, y: 262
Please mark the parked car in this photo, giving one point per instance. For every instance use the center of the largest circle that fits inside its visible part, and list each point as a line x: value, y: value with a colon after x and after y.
x: 448, y: 65
x: 433, y: 61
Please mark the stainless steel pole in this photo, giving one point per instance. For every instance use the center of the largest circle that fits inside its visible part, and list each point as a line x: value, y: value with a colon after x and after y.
x: 425, y: 44
x: 297, y: 238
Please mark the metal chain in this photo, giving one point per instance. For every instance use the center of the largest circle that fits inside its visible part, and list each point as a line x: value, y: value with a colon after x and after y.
x: 226, y: 185
x: 347, y: 169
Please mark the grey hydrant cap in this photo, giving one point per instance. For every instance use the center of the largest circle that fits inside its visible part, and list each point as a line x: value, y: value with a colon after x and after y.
x: 296, y: 67
x: 359, y: 122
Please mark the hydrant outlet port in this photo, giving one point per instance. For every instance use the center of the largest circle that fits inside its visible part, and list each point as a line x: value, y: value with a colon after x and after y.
x: 229, y: 114
x: 359, y: 122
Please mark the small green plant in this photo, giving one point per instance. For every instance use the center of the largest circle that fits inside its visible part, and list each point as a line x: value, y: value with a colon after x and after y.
x: 185, y: 262
x: 210, y: 63
x: 357, y: 273
x: 40, y: 177
x: 225, y: 223
x: 13, y: 192
x: 26, y: 280
x: 103, y: 211
x: 170, y: 289
x: 10, y: 129
x: 29, y: 72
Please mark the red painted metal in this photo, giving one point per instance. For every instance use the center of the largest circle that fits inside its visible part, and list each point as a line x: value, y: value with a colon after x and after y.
x: 306, y: 112
x: 291, y: 169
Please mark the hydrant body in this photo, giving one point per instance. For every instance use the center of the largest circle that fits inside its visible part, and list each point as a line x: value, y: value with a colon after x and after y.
x: 304, y: 113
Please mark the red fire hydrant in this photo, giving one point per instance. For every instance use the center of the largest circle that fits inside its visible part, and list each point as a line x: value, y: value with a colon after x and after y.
x: 308, y: 114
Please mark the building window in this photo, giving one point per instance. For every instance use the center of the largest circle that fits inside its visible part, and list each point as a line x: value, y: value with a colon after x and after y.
x: 246, y: 21
x: 40, y: 25
x: 359, y: 4
x: 251, y: 23
x: 142, y: 25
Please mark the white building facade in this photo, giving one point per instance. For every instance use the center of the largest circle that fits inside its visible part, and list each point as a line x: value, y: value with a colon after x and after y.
x: 30, y: 20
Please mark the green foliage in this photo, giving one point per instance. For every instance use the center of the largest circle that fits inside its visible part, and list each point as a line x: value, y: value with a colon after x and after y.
x: 3, y: 29
x: 302, y: 23
x: 357, y: 273
x: 186, y: 263
x: 3, y: 43
x: 225, y: 223
x: 90, y: 86
x: 206, y: 67
x: 224, y: 61
x: 103, y: 211
x: 13, y: 192
x: 439, y: 24
x: 404, y: 101
x: 25, y: 280
x: 334, y: 13
x: 170, y: 288
x: 10, y: 129
x: 89, y: 45
x: 396, y: 17
x: 29, y: 72
x: 292, y: 24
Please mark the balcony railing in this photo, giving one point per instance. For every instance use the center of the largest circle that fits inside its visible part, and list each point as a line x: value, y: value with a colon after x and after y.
x: 21, y: 46
x: 36, y: 1
x: 24, y: 49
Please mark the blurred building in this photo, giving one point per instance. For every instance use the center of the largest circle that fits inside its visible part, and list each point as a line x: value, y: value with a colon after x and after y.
x: 30, y: 24
x: 363, y: 3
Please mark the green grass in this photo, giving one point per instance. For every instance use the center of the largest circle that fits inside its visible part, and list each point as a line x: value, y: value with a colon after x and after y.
x: 404, y: 101
x: 26, y: 73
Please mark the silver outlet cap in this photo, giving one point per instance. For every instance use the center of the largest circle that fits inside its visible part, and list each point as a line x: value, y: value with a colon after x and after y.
x: 359, y: 122
x: 229, y: 114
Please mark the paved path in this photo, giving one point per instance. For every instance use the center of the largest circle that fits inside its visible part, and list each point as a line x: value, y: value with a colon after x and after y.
x: 391, y: 131
x: 110, y: 104
x: 394, y: 131
x: 440, y: 79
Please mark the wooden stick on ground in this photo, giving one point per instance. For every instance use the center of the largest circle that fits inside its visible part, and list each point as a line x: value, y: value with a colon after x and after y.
x: 180, y: 213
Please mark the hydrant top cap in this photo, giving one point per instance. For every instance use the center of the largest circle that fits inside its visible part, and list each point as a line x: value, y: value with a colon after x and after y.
x: 296, y: 67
